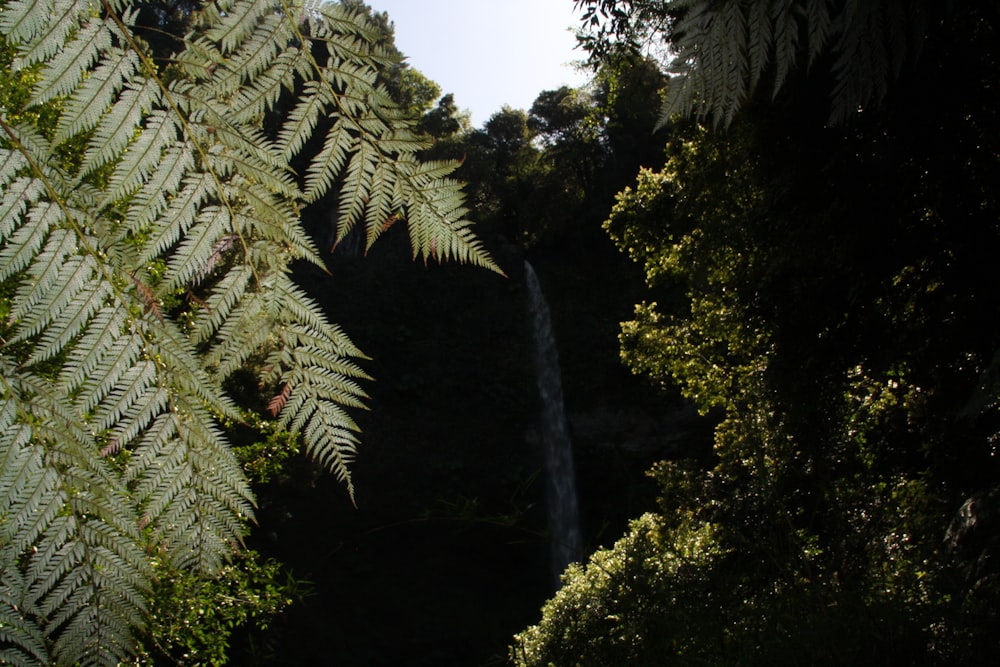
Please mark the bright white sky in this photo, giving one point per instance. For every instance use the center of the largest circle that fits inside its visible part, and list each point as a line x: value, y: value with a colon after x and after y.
x: 488, y: 52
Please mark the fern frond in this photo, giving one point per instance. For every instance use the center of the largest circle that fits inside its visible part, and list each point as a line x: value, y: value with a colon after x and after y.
x: 819, y: 25
x: 89, y: 101
x: 265, y: 63
x: 330, y: 161
x: 248, y: 323
x: 45, y: 27
x: 179, y: 191
x: 21, y: 20
x: 143, y: 156
x: 218, y: 306
x: 438, y: 226
x: 151, y: 200
x: 183, y: 372
x: 17, y: 197
x: 104, y: 344
x: 297, y: 307
x: 301, y: 122
x: 354, y: 194
x: 331, y: 438
x: 110, y: 362
x: 71, y: 321
x: 723, y: 47
x: 125, y: 398
x: 198, y: 248
x: 229, y: 160
x: 118, y: 127
x: 78, y: 549
x: 11, y: 164
x: 63, y: 74
x: 24, y: 243
x: 171, y: 225
x: 786, y: 41
x: 44, y: 274
x: 239, y: 22
x: 191, y: 490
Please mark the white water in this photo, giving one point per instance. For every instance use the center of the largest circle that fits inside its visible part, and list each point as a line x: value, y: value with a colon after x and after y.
x: 563, y: 511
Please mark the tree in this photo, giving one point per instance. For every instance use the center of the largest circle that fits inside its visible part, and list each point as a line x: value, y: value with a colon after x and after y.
x: 146, y: 234
x: 822, y: 294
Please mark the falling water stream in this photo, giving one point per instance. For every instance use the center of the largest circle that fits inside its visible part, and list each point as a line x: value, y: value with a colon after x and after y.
x: 563, y: 512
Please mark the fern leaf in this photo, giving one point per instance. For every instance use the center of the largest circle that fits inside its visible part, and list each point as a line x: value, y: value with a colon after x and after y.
x: 138, y: 416
x: 247, y: 323
x: 299, y: 308
x: 239, y: 22
x: 63, y: 74
x: 196, y: 251
x: 354, y: 194
x: 151, y: 200
x: 248, y: 60
x: 70, y: 279
x: 786, y: 43
x: 23, y: 244
x: 44, y: 274
x: 16, y: 198
x: 72, y: 320
x: 330, y: 438
x: 143, y: 156
x: 179, y: 190
x: 118, y: 127
x: 301, y: 122
x: 11, y: 163
x: 78, y: 517
x: 175, y: 222
x: 21, y: 20
x: 384, y: 203
x: 277, y: 402
x: 438, y: 227
x: 125, y: 397
x: 758, y: 41
x: 218, y: 306
x: 111, y: 367
x: 185, y: 374
x: 45, y: 27
x: 90, y: 100
x: 250, y: 167
x: 327, y: 165
x: 192, y: 491
x: 819, y: 24
x: 104, y: 332
x: 22, y: 640
x: 256, y: 73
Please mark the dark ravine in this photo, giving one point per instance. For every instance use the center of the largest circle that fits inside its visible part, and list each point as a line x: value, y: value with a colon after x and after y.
x: 447, y: 555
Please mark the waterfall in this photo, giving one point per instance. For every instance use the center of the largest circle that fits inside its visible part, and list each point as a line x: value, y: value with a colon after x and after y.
x: 563, y: 512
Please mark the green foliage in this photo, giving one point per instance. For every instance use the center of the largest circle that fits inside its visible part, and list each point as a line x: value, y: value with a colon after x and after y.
x: 193, y: 618
x: 148, y: 219
x: 619, y: 608
x: 680, y: 589
x: 822, y: 294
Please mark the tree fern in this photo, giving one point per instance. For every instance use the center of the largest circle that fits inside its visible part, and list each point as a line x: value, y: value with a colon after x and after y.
x: 721, y: 50
x: 147, y: 224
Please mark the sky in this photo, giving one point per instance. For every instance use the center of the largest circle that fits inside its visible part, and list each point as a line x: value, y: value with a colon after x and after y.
x: 488, y: 52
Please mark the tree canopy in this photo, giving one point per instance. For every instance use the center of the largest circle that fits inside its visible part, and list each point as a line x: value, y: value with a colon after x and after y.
x: 823, y: 293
